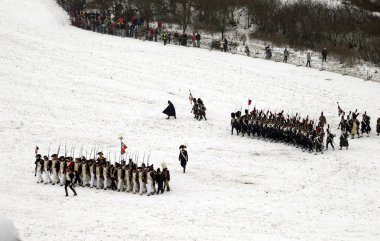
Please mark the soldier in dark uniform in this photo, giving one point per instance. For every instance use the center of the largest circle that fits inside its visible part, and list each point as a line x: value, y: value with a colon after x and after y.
x: 183, y: 157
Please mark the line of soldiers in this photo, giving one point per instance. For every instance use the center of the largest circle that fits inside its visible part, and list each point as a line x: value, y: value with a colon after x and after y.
x: 300, y: 132
x: 198, y: 109
x: 101, y: 174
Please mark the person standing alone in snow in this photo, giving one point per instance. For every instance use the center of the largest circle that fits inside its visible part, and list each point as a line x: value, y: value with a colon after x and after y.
x: 286, y: 55
x: 170, y: 110
x: 183, y: 157
x: 324, y: 55
x: 308, y: 58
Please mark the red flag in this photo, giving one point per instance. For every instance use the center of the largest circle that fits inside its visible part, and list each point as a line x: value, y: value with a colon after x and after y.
x: 36, y: 150
x: 249, y: 102
x: 123, y: 148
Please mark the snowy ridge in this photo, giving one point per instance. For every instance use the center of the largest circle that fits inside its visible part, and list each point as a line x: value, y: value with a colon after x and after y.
x: 63, y: 83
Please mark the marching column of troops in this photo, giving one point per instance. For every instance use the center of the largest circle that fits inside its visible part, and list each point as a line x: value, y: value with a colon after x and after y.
x: 303, y: 133
x: 101, y: 174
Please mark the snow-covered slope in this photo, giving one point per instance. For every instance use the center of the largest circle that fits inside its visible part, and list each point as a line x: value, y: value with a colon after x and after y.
x: 60, y: 83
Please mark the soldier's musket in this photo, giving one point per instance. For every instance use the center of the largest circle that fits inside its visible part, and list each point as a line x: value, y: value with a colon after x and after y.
x: 81, y: 152
x: 59, y: 148
x: 95, y: 152
x: 73, y: 152
x: 144, y: 158
x: 65, y: 151
x: 49, y: 151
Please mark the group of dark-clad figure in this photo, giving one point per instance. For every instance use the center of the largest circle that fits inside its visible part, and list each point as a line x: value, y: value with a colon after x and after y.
x: 198, y: 108
x: 304, y: 133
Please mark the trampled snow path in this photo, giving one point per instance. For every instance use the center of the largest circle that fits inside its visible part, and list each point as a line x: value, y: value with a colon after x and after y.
x: 61, y: 83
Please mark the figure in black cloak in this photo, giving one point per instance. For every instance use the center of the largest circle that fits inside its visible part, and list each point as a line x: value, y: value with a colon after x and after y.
x: 183, y: 157
x: 170, y: 110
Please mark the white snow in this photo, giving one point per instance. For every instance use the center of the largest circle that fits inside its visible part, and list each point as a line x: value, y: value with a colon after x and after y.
x: 60, y: 83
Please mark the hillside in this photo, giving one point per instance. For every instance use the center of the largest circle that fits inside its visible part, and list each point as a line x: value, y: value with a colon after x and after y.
x: 63, y: 84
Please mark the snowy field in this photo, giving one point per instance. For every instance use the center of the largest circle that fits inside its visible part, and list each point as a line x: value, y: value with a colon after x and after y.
x: 60, y: 83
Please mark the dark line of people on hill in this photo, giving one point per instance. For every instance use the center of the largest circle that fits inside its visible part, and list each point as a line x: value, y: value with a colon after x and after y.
x: 124, y: 27
x: 102, y: 174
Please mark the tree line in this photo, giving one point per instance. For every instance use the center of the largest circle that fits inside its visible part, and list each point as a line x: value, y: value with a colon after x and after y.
x: 346, y: 30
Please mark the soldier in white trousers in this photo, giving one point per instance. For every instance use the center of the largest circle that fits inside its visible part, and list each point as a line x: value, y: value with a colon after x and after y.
x: 149, y: 180
x: 39, y: 168
x: 93, y: 175
x: 99, y: 176
x: 46, y: 173
x: 55, y: 169
x: 62, y: 171
x: 120, y: 178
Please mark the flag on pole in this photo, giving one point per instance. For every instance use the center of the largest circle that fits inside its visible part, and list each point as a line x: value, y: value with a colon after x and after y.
x: 36, y: 150
x: 123, y: 148
x: 249, y: 102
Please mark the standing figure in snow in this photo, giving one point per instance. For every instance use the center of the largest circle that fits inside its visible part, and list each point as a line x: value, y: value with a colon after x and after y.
x: 68, y: 183
x: 324, y: 55
x: 200, y: 110
x: 343, y: 142
x: 170, y: 110
x: 39, y: 168
x: 286, y: 55
x: 183, y: 157
x: 366, y: 124
x: 355, y: 125
x: 135, y: 181
x: 120, y: 178
x: 247, y: 51
x: 160, y: 177
x: 99, y: 176
x: 308, y: 60
x: 166, y: 175
x: 47, y: 170
x: 198, y: 39
x: 268, y: 52
x: 329, y: 139
x: 55, y: 169
x: 378, y: 126
x: 62, y: 170
x: 150, y: 180
x: 93, y: 174
x: 225, y: 45
x: 322, y: 121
